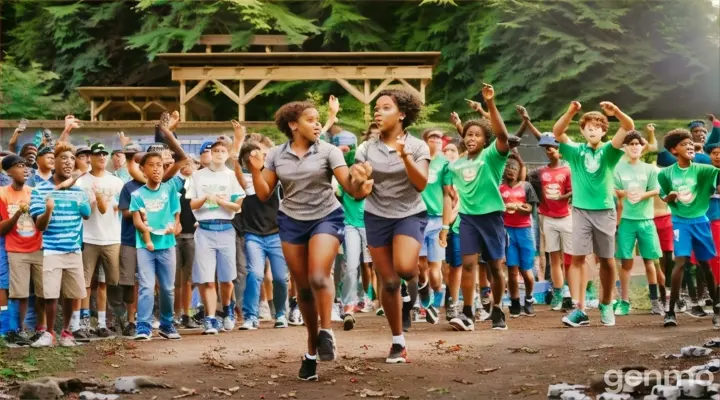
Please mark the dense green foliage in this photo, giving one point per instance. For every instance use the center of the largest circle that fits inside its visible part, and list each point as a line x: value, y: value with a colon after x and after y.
x: 653, y: 58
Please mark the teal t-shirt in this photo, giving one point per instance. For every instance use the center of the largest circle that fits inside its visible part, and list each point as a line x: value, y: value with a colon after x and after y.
x: 636, y: 179
x: 592, y: 173
x: 694, y: 186
x: 456, y: 226
x: 477, y: 181
x: 354, y: 210
x: 160, y: 205
x: 438, y: 177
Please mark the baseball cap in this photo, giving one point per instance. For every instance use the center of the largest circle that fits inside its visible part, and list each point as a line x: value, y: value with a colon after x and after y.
x: 223, y: 140
x: 548, y: 140
x: 45, y: 150
x: 131, y: 148
x: 82, y: 150
x: 430, y: 133
x: 98, y: 148
x: 205, y: 147
x: 157, y: 147
x: 11, y: 160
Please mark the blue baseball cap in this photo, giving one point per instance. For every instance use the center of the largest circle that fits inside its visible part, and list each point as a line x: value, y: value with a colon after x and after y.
x: 206, y: 146
x: 548, y: 140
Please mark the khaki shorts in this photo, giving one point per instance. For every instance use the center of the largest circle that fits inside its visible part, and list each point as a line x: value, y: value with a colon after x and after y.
x: 185, y: 254
x: 558, y: 234
x: 128, y: 265
x: 108, y: 256
x: 24, y: 269
x: 594, y: 232
x: 63, y: 273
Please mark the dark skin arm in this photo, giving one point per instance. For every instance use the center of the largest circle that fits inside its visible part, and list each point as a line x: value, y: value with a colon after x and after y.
x: 7, y: 225
x: 498, y: 126
x: 528, y: 122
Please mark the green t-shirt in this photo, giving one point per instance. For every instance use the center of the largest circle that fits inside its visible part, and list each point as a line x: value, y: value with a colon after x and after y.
x: 354, y: 210
x: 438, y: 177
x: 694, y: 185
x: 478, y: 180
x: 636, y: 179
x: 591, y: 174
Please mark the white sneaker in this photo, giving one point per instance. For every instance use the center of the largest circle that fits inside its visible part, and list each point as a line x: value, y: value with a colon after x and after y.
x: 155, y: 323
x: 481, y: 315
x: 228, y: 323
x: 249, y: 325
x: 264, y: 312
x: 281, y: 322
x: 45, y: 340
x: 367, y: 307
x: 296, y: 317
x: 336, y: 313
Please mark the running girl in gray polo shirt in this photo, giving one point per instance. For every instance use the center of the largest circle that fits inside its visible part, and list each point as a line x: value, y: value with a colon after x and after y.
x: 310, y: 217
x: 395, y: 214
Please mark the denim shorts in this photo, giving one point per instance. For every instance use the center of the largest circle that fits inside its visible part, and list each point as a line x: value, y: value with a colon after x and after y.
x: 381, y: 231
x: 452, y: 251
x: 431, y: 242
x: 521, y: 248
x: 483, y: 234
x: 296, y: 231
x: 215, y: 256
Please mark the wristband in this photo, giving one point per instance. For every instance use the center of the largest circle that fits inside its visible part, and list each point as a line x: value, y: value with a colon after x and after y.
x: 446, y: 227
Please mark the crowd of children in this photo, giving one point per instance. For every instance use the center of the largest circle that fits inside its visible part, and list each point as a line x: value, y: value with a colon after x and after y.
x: 420, y: 222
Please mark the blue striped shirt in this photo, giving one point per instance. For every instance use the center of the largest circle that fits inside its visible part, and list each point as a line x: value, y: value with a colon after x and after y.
x: 64, y: 231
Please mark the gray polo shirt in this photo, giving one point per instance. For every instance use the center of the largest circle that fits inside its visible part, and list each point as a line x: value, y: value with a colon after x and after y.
x: 392, y: 196
x: 306, y: 181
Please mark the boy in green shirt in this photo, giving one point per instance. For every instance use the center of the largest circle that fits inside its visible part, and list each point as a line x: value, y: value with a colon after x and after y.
x: 436, y: 197
x: 594, y: 217
x: 686, y: 187
x: 636, y: 185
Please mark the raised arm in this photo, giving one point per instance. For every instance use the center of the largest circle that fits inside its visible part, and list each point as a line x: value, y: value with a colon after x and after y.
x: 240, y: 133
x: 457, y: 122
x: 70, y: 123
x: 651, y: 145
x: 478, y: 107
x: 496, y: 121
x: 333, y: 109
x: 626, y: 123
x: 563, y: 123
x: 528, y: 123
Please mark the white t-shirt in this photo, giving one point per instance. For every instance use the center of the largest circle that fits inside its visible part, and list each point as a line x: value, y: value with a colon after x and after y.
x: 102, y: 229
x: 221, y: 182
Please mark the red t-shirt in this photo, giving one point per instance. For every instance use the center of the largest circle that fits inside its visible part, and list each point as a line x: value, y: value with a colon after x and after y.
x: 555, y: 182
x: 520, y: 194
x: 24, y: 237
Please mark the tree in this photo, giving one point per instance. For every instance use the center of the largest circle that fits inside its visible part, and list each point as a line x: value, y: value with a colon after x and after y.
x: 24, y: 93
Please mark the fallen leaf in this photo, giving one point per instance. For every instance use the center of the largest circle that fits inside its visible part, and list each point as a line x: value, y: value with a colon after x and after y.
x: 272, y: 383
x: 438, y: 390
x: 199, y: 381
x: 273, y: 376
x: 371, y: 393
x: 221, y: 391
x: 186, y: 393
x: 234, y: 389
x: 292, y: 394
x: 350, y: 369
x: 114, y: 365
x: 248, y: 383
x: 353, y: 380
x: 523, y: 349
x: 453, y: 349
x: 487, y: 370
x: 463, y: 381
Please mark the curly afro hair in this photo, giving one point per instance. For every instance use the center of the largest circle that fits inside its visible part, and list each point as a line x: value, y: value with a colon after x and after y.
x: 290, y: 112
x: 674, y: 137
x: 482, y: 124
x: 597, y: 117
x: 406, y: 103
x: 632, y: 135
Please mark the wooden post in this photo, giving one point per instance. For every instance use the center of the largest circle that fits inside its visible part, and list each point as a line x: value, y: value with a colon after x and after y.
x: 423, y: 84
x: 241, y: 105
x: 367, y: 102
x: 182, y: 101
x: 92, y: 110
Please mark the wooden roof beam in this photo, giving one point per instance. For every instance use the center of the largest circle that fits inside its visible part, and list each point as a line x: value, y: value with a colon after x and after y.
x: 300, y: 73
x: 229, y: 93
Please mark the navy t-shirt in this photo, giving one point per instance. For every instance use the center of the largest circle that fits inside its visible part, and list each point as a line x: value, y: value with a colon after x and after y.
x: 127, y: 230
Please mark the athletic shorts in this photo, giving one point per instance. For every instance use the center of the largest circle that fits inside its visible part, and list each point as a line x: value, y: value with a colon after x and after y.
x: 185, y: 255
x: 63, y: 273
x: 380, y: 231
x: 128, y: 265
x: 296, y: 231
x: 558, y: 233
x: 431, y: 247
x: 664, y: 228
x: 642, y: 232
x: 107, y: 256
x: 594, y: 232
x: 452, y: 251
x: 693, y: 235
x: 520, y: 248
x: 216, y: 257
x: 25, y: 269
x: 4, y: 267
x: 715, y: 262
x: 483, y: 234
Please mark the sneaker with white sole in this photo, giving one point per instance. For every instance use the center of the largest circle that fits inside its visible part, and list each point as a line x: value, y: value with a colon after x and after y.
x: 431, y: 315
x: 281, y: 322
x: 67, y: 339
x: 228, y: 323
x: 326, y: 349
x: 462, y: 323
x: 143, y: 331
x: 46, y: 339
x: 336, y: 313
x: 249, y: 325
x: 296, y: 318
x: 208, y: 327
x: 264, y: 312
x: 169, y: 332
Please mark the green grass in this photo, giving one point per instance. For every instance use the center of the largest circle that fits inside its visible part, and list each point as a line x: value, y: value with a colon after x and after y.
x: 28, y: 363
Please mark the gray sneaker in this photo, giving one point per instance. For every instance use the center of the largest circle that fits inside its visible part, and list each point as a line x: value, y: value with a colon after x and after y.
x: 657, y: 307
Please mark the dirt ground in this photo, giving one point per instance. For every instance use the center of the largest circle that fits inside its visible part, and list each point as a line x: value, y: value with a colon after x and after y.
x: 444, y: 364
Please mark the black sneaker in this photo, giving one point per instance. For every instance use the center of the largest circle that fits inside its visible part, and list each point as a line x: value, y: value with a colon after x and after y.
x: 527, y: 308
x: 398, y: 355
x: 103, y: 332
x: 514, y: 308
x: 462, y: 323
x: 697, y: 312
x: 670, y: 319
x: 406, y: 317
x: 431, y: 315
x: 199, y: 316
x: 681, y: 305
x: 308, y: 370
x: 326, y: 346
x: 188, y: 323
x: 17, y: 338
x: 498, y: 319
x: 34, y: 338
x: 567, y: 304
x: 486, y: 301
x: 129, y: 330
x: 348, y: 322
x: 81, y: 334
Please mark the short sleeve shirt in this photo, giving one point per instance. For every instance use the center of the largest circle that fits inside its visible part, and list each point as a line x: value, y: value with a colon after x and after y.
x: 160, y: 205
x: 521, y: 193
x: 221, y: 183
x: 306, y: 180
x: 24, y: 237
x: 635, y: 180
x: 102, y: 229
x: 694, y: 186
x: 554, y: 182
x: 438, y: 177
x: 127, y: 228
x: 64, y: 231
x: 592, y: 174
x: 392, y: 196
x: 477, y: 181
